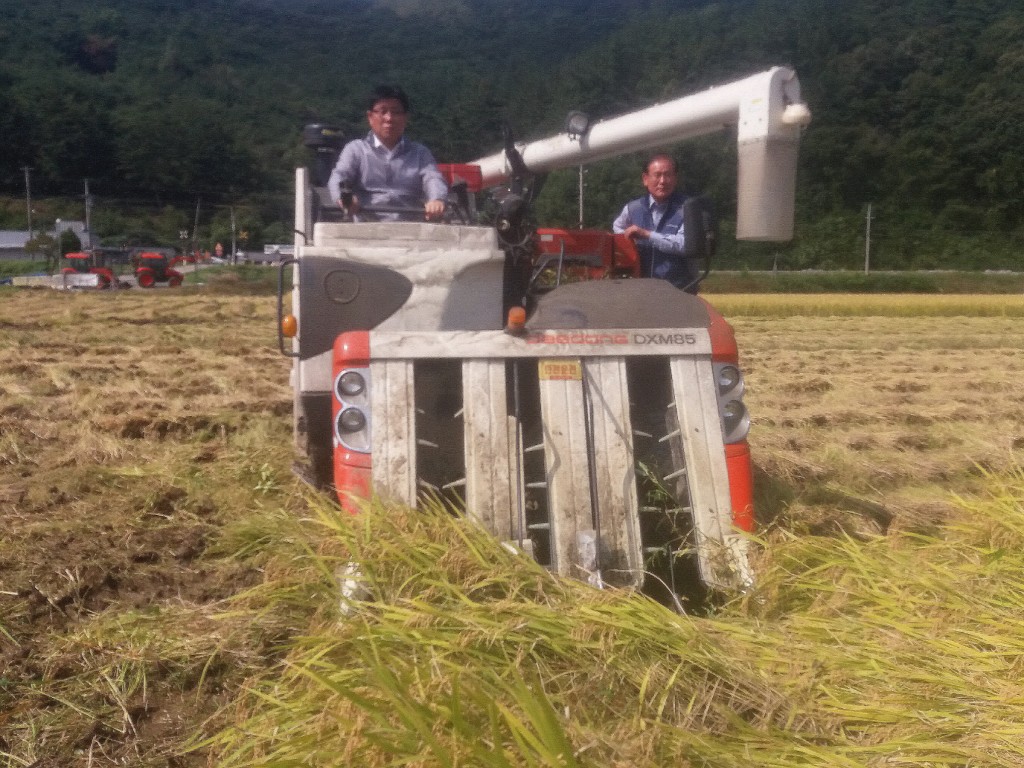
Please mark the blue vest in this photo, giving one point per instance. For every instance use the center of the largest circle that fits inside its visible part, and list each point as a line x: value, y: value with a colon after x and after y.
x: 674, y: 267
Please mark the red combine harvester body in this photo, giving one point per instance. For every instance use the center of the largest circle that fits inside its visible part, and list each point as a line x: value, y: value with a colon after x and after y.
x: 530, y: 378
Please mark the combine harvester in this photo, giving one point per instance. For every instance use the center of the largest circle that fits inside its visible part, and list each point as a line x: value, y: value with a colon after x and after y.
x: 81, y: 270
x: 597, y: 424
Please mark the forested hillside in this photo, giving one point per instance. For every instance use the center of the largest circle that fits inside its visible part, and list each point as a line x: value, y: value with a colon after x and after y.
x: 918, y: 107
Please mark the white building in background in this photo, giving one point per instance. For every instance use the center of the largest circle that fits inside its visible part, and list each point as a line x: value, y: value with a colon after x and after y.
x: 78, y: 227
x: 12, y: 244
x: 13, y: 241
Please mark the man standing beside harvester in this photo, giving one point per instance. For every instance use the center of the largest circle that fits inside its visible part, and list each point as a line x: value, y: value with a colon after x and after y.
x: 654, y: 222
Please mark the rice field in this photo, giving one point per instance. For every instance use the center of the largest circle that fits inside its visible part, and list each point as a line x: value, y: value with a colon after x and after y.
x: 735, y: 305
x: 169, y: 593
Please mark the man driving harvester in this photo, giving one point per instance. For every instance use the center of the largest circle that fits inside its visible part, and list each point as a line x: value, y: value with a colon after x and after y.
x: 384, y: 169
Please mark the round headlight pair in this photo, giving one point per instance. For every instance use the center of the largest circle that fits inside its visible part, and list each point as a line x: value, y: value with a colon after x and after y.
x: 353, y: 417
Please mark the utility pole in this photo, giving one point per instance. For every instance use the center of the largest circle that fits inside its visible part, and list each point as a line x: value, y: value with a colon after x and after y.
x: 195, y: 227
x: 88, y: 214
x: 28, y: 199
x: 581, y: 197
x: 58, y: 245
x: 234, y: 248
x: 867, y: 242
x: 195, y: 243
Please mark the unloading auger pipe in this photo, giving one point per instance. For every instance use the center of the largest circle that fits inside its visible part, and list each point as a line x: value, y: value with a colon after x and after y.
x: 690, y: 116
x: 766, y: 110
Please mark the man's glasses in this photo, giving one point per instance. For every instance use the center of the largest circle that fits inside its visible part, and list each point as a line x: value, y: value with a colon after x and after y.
x: 391, y: 112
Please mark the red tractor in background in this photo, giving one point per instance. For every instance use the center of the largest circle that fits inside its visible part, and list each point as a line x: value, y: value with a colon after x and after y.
x: 154, y: 267
x: 90, y: 263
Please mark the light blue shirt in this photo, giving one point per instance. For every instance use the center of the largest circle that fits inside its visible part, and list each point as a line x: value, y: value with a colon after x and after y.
x: 404, y: 176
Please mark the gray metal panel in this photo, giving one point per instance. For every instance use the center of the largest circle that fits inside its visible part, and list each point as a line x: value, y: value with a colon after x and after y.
x: 567, y: 470
x: 615, y: 471
x: 556, y: 343
x: 394, y: 430
x: 611, y: 510
x: 492, y: 496
x: 634, y: 303
x: 455, y: 271
x: 700, y: 435
x: 341, y: 295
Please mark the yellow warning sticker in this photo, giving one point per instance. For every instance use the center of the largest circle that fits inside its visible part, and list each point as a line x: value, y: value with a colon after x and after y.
x: 560, y: 370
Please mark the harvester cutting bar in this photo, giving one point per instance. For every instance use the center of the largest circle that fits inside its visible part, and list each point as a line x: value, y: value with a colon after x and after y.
x: 587, y: 488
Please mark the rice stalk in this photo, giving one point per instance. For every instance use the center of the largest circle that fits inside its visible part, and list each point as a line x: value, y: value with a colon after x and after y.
x: 899, y: 650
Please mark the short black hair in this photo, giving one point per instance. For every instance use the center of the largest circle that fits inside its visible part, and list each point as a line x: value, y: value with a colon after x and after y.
x: 384, y: 92
x: 661, y: 156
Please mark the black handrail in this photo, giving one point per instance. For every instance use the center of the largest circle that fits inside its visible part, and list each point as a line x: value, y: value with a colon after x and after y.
x: 280, y: 306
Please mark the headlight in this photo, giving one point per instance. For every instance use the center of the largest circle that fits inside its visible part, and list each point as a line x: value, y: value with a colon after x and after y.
x: 735, y: 421
x: 350, y: 384
x: 351, y: 420
x: 728, y: 377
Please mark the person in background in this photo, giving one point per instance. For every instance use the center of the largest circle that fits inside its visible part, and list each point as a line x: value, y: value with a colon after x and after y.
x: 655, y: 223
x: 385, y: 168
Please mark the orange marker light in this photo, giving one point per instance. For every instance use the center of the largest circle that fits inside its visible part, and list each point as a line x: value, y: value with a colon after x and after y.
x: 516, y: 321
x: 289, y: 326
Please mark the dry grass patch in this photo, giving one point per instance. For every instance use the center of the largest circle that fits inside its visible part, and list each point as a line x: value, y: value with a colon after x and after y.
x: 893, y: 411
x: 866, y: 304
x: 123, y: 454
